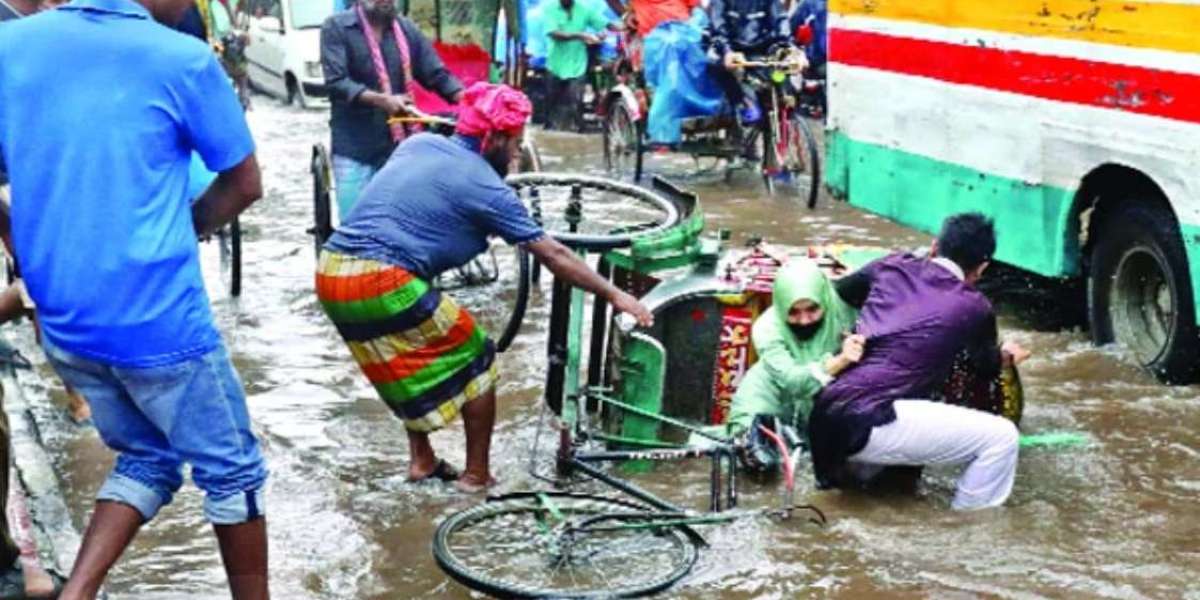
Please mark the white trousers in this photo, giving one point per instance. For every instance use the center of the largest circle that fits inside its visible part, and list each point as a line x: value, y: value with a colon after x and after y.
x: 933, y: 433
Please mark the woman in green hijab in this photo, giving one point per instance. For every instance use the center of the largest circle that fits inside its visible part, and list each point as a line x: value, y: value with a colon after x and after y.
x: 796, y: 341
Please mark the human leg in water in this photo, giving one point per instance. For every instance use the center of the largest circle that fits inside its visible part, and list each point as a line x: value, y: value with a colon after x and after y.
x: 111, y: 528
x: 244, y: 553
x: 479, y: 419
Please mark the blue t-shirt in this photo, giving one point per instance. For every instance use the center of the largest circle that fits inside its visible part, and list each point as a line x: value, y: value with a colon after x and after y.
x: 432, y: 208
x: 99, y: 168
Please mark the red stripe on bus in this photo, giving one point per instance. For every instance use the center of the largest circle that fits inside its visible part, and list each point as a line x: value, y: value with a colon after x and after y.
x: 1127, y: 88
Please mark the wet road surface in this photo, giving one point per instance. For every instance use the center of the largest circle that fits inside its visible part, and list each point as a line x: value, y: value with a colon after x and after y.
x: 1117, y: 519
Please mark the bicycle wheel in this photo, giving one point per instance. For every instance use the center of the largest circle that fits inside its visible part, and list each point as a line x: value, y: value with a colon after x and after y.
x: 322, y: 173
x: 621, y: 142
x: 235, y: 258
x: 770, y: 149
x: 512, y: 547
x: 799, y: 165
x: 229, y: 244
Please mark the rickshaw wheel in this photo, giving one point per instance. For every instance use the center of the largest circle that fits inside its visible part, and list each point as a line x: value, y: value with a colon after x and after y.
x: 800, y: 165
x: 235, y: 258
x: 512, y: 547
x: 621, y: 142
x: 322, y: 172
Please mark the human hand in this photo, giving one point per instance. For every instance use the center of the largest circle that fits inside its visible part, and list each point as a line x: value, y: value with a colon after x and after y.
x: 590, y: 39
x: 397, y: 104
x: 733, y: 60
x: 853, y: 347
x: 626, y: 303
x: 1015, y: 352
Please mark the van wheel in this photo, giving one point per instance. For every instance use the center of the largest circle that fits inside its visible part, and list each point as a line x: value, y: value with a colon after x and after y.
x: 1140, y: 292
x: 294, y: 96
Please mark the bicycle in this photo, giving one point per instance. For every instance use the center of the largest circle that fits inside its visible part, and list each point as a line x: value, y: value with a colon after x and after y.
x: 782, y: 144
x: 555, y: 544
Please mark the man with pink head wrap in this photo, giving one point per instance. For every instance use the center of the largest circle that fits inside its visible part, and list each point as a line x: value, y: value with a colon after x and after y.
x: 431, y: 208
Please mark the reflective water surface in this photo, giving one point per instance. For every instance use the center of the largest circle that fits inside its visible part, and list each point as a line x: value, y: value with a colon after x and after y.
x: 1117, y: 519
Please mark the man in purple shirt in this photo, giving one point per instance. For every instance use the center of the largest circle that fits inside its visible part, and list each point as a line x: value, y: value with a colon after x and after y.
x: 917, y: 315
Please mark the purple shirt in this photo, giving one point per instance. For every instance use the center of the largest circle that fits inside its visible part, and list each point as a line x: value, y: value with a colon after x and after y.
x: 917, y: 317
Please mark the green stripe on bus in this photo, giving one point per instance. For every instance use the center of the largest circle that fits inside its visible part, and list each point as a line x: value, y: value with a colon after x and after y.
x: 1031, y: 219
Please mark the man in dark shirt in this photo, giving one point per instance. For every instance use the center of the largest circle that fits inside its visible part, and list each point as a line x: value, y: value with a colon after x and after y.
x: 918, y: 314
x: 360, y: 101
x: 742, y: 28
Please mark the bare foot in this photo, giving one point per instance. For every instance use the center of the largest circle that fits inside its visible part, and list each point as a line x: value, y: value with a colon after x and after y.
x: 78, y: 407
x: 472, y: 484
x: 38, y: 583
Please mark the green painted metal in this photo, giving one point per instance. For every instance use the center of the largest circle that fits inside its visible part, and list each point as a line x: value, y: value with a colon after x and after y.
x: 643, y: 370
x: 1191, y: 244
x: 574, y: 343
x: 653, y: 523
x: 639, y: 442
x: 1032, y: 220
x: 1054, y: 439
x: 679, y: 246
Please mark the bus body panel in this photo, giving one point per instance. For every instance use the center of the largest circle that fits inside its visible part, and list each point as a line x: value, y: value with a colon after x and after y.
x: 1005, y: 107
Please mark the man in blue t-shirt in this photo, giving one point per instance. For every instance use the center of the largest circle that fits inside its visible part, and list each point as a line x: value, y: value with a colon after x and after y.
x: 432, y: 208
x: 107, y: 239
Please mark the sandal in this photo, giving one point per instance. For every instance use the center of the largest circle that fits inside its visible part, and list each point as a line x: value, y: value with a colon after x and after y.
x: 12, y: 585
x: 442, y: 471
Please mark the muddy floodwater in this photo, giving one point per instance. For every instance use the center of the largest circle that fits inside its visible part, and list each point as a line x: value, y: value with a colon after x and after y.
x: 1118, y: 518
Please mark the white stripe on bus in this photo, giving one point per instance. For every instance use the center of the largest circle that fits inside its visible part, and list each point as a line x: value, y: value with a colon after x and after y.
x: 1036, y: 141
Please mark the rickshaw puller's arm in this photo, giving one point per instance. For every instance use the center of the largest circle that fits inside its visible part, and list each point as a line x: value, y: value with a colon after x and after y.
x: 232, y: 192
x: 564, y: 263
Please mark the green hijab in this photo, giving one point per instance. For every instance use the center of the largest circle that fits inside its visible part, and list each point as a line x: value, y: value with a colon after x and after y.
x: 802, y: 279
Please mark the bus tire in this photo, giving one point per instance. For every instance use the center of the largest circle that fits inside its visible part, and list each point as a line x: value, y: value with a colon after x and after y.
x: 1140, y: 291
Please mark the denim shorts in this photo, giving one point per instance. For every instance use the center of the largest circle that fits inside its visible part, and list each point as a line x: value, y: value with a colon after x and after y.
x: 158, y: 418
x: 350, y: 177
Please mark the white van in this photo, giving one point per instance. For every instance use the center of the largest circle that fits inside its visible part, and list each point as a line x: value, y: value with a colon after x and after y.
x: 284, y: 54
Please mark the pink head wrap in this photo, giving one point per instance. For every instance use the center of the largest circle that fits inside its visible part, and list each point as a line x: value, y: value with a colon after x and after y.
x: 486, y: 108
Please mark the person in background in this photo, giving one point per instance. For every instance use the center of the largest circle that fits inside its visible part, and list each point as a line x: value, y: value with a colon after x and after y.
x: 426, y: 356
x: 808, y: 27
x: 918, y: 314
x: 106, y: 236
x: 369, y: 54
x: 572, y: 27
x: 743, y: 30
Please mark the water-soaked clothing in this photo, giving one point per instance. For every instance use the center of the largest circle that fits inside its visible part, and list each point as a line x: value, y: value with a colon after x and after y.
x: 917, y: 316
x: 432, y: 208
x: 425, y: 355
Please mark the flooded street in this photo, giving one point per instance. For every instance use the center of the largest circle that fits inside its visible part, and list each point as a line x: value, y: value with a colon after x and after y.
x: 1115, y: 519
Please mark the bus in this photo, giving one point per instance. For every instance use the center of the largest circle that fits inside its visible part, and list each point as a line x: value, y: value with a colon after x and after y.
x: 1074, y: 124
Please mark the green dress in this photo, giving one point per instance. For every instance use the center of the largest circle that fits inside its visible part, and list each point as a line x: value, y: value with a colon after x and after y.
x: 790, y: 372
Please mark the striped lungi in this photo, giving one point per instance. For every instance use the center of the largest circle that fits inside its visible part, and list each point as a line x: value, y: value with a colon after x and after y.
x: 425, y: 356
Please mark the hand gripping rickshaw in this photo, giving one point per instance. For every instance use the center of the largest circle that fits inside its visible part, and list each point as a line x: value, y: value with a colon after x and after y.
x: 640, y: 390
x: 460, y: 32
x: 781, y: 145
